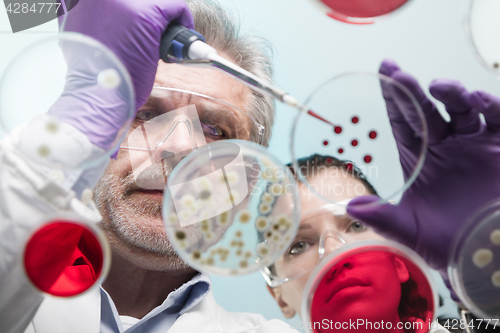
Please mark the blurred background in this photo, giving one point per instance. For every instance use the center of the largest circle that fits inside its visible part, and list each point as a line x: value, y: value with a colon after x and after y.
x: 427, y: 38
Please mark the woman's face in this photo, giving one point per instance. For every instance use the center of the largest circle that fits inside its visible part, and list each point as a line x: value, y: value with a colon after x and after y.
x: 316, y: 218
x: 362, y: 286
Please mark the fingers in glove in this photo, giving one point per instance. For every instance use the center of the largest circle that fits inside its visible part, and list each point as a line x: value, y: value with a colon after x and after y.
x: 177, y: 12
x: 489, y: 106
x: 464, y: 118
x: 401, y: 130
x: 385, y: 219
x: 437, y: 126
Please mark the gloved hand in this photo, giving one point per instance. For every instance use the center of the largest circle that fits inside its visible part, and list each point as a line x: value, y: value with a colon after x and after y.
x: 460, y: 174
x: 132, y: 30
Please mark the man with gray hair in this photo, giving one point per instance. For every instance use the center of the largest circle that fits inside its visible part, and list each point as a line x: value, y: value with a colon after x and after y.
x: 149, y: 288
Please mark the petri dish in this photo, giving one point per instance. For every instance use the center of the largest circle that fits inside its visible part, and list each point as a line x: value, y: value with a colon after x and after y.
x: 357, y: 133
x: 230, y: 208
x: 359, y: 11
x: 33, y: 111
x: 482, y: 27
x: 474, y: 265
x: 373, y: 284
x: 65, y: 257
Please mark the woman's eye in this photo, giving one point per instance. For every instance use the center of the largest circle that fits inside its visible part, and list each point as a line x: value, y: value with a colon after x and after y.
x: 298, y: 248
x: 214, y: 132
x: 145, y: 115
x: 356, y: 226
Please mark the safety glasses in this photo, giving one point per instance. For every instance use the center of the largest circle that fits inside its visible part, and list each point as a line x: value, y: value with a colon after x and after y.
x: 175, y: 120
x: 313, y: 241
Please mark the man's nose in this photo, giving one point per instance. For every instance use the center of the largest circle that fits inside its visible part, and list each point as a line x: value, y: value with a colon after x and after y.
x: 175, y: 142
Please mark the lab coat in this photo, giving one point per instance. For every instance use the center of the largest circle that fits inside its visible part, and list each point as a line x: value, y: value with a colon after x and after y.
x: 82, y: 315
x: 27, y: 197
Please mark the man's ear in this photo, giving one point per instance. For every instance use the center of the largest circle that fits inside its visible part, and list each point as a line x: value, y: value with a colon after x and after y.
x: 401, y: 270
x: 287, y: 310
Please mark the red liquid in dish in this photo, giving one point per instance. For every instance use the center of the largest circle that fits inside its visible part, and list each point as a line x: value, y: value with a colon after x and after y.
x: 374, y: 286
x: 63, y: 258
x: 364, y: 8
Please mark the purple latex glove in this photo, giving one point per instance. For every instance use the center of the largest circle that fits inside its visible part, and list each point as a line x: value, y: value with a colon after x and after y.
x: 460, y: 174
x: 132, y: 29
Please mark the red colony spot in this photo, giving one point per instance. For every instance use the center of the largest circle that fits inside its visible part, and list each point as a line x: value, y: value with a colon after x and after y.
x: 325, y: 143
x: 329, y: 160
x: 337, y: 129
x: 367, y: 159
x: 355, y: 120
x: 341, y: 150
x: 349, y: 166
x: 354, y: 143
x: 372, y: 135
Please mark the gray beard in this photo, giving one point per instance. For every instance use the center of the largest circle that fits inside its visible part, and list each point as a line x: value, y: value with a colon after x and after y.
x: 135, y: 223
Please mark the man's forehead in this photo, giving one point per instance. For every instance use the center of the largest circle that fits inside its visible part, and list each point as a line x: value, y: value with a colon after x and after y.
x: 207, y: 81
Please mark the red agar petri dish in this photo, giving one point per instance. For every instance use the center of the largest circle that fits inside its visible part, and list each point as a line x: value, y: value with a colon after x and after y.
x: 63, y: 258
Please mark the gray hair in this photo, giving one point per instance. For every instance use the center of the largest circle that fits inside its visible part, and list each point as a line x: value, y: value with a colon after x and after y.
x: 251, y: 53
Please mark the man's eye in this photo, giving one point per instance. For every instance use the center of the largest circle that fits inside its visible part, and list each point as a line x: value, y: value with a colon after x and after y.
x: 214, y: 132
x: 145, y: 115
x: 298, y: 248
x: 356, y: 226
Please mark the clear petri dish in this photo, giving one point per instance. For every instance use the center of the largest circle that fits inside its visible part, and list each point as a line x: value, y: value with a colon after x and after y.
x: 39, y: 87
x: 230, y: 208
x: 474, y: 265
x: 379, y: 283
x: 66, y: 257
x: 357, y: 138
x: 482, y: 27
x: 359, y: 11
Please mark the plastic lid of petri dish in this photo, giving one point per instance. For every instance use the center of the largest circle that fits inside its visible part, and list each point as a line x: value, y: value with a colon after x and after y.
x: 65, y: 257
x: 474, y: 265
x: 230, y: 208
x: 359, y: 139
x: 359, y: 11
x: 34, y: 122
x: 483, y: 27
x: 380, y: 283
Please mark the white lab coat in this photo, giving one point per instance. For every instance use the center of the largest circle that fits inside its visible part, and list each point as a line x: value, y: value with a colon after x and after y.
x: 82, y: 315
x: 28, y: 197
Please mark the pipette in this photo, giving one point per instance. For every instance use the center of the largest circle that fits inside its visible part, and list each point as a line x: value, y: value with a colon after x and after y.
x: 185, y: 46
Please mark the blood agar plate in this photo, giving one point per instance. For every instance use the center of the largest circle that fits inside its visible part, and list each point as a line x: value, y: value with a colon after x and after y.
x: 366, y: 144
x: 359, y: 11
x: 373, y: 281
x: 39, y: 88
x: 483, y: 27
x: 65, y: 257
x: 230, y: 208
x: 474, y: 267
